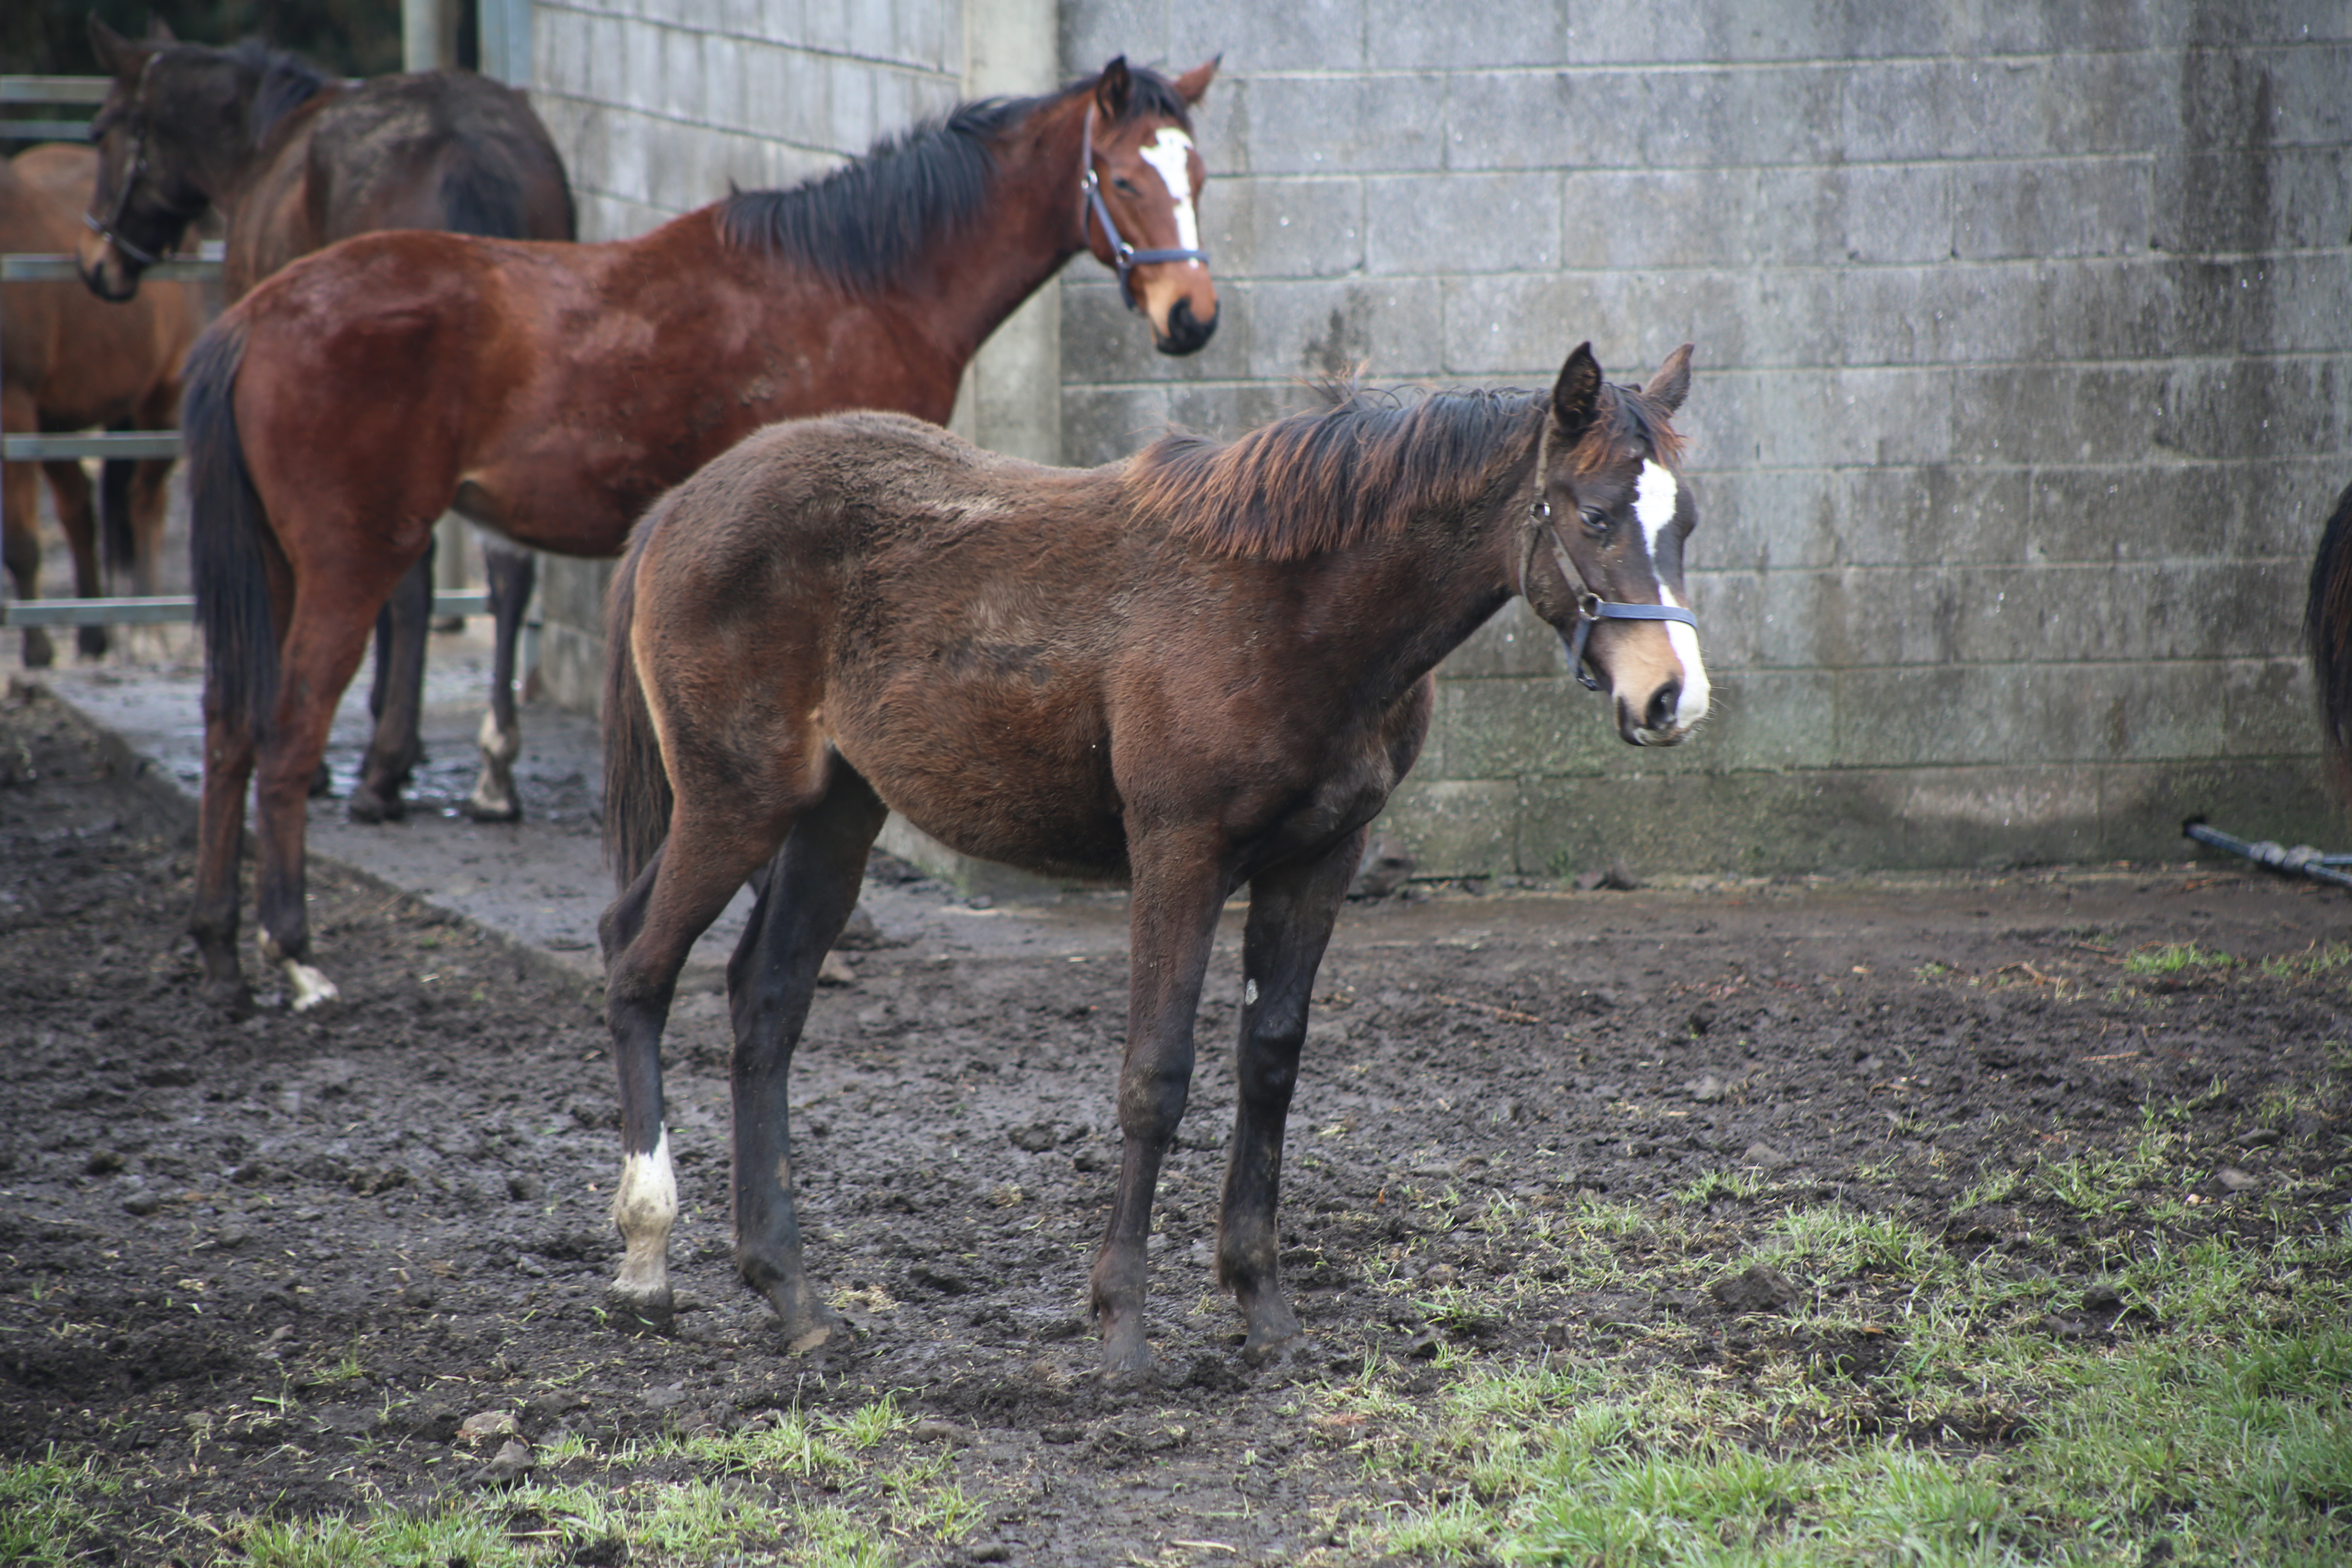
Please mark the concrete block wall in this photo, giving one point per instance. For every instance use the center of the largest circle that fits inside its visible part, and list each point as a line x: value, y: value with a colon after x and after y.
x: 2022, y: 341
x: 2022, y: 337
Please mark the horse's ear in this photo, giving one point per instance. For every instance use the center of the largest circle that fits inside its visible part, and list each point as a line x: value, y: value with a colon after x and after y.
x: 1193, y: 83
x: 159, y: 31
x: 1576, y: 397
x: 112, y: 49
x: 1672, y: 384
x: 1115, y: 89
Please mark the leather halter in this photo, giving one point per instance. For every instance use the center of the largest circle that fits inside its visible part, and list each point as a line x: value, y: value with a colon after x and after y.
x: 1123, y: 255
x: 1592, y: 609
x: 110, y: 229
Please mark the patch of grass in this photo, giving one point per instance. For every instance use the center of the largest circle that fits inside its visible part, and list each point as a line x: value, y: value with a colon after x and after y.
x: 2317, y: 961
x: 1993, y: 1187
x: 1842, y: 1243
x: 2173, y: 958
x: 386, y: 1539
x: 44, y: 1506
x: 1713, y: 1185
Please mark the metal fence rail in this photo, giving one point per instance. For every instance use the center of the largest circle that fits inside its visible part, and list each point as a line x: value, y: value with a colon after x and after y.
x: 46, y: 89
x: 165, y: 611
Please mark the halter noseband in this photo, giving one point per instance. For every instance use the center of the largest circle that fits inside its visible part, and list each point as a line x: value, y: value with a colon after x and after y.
x: 110, y: 229
x: 1592, y: 609
x: 1123, y: 255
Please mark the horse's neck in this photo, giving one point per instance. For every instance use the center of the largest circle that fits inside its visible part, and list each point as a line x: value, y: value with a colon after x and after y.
x: 1408, y: 602
x: 968, y: 281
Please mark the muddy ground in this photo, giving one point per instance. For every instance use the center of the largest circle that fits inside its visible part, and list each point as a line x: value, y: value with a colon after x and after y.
x: 265, y: 1267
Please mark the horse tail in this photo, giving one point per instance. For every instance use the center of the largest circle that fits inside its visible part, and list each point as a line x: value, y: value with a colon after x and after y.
x: 121, y: 545
x: 637, y: 786
x: 229, y: 541
x: 2327, y: 628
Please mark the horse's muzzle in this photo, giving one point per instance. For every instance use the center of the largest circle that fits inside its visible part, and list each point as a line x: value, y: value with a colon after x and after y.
x: 107, y: 272
x: 1183, y: 334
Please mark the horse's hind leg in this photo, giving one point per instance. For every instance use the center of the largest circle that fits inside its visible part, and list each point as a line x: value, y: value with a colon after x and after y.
x: 1291, y: 913
x: 811, y: 887
x: 78, y: 519
x: 511, y: 571
x: 647, y: 933
x: 396, y: 699
x: 20, y: 533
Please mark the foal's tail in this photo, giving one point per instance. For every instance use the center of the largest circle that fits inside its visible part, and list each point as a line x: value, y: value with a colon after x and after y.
x: 2327, y: 626
x: 229, y: 539
x: 637, y: 786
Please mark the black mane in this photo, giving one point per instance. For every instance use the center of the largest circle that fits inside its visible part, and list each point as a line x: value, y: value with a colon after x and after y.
x: 283, y: 81
x: 864, y: 224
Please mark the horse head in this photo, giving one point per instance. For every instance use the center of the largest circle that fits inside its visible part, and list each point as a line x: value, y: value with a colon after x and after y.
x: 1138, y: 195
x: 1600, y: 557
x: 147, y: 190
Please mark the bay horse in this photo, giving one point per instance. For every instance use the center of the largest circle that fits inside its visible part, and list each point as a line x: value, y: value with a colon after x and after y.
x: 293, y: 160
x: 1201, y: 668
x: 551, y: 392
x: 71, y: 362
x: 2327, y: 630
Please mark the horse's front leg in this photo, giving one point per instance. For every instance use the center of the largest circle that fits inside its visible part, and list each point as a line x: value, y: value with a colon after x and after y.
x: 78, y: 517
x: 809, y: 888
x: 20, y: 536
x: 511, y: 571
x: 397, y: 697
x: 1291, y: 913
x: 647, y: 935
x: 1171, y: 924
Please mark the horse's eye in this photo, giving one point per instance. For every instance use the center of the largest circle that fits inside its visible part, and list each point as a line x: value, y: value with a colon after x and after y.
x: 1596, y: 520
x: 1124, y: 187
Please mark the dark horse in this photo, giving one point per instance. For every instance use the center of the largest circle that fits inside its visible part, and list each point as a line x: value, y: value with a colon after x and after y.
x: 71, y: 362
x: 551, y: 392
x: 294, y: 160
x: 1205, y: 667
x: 2327, y: 626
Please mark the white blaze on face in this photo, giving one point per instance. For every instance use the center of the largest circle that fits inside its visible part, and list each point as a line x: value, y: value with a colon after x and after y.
x: 1171, y: 152
x: 1655, y: 495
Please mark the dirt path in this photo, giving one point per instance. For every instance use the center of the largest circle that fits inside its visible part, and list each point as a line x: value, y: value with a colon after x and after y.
x: 264, y: 1268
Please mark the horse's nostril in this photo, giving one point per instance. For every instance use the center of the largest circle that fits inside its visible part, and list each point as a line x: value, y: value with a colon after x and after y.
x: 1185, y: 332
x: 1661, y: 713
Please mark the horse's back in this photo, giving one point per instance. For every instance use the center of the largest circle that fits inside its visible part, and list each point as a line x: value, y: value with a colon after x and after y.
x: 447, y: 150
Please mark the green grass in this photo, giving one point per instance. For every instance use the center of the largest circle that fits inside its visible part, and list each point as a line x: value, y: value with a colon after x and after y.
x: 2227, y: 1436
x: 2173, y: 958
x: 44, y: 1505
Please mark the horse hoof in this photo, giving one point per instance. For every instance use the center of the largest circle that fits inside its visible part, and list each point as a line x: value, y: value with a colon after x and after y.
x: 40, y: 652
x: 368, y: 808
x: 233, y: 997
x: 323, y: 782
x: 481, y: 810
x: 1275, y: 1356
x: 91, y: 642
x: 649, y: 1312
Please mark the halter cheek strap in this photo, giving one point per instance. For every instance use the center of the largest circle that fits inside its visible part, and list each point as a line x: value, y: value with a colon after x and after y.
x: 1592, y: 609
x: 1123, y: 255
x: 110, y: 230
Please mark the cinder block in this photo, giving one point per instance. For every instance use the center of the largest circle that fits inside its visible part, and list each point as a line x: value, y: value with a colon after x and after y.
x: 1761, y: 30
x: 2141, y: 809
x: 2270, y: 706
x: 1225, y: 411
x: 1312, y: 34
x: 2056, y: 413
x: 1100, y: 423
x: 1104, y: 341
x: 1413, y: 35
x: 1938, y: 315
x: 1836, y: 214
x: 1955, y: 513
x: 1526, y: 120
x: 722, y: 82
x: 1511, y: 728
x: 1761, y: 519
x: 2051, y: 208
x: 1760, y: 718
x: 1260, y: 228
x: 2246, y: 97
x: 1452, y: 828
x: 1643, y: 218
x: 2253, y: 198
x: 1979, y: 715
x: 1513, y: 642
x: 1093, y: 33
x: 1346, y: 124
x: 1390, y: 325
x: 2245, y: 408
x: 2280, y: 506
